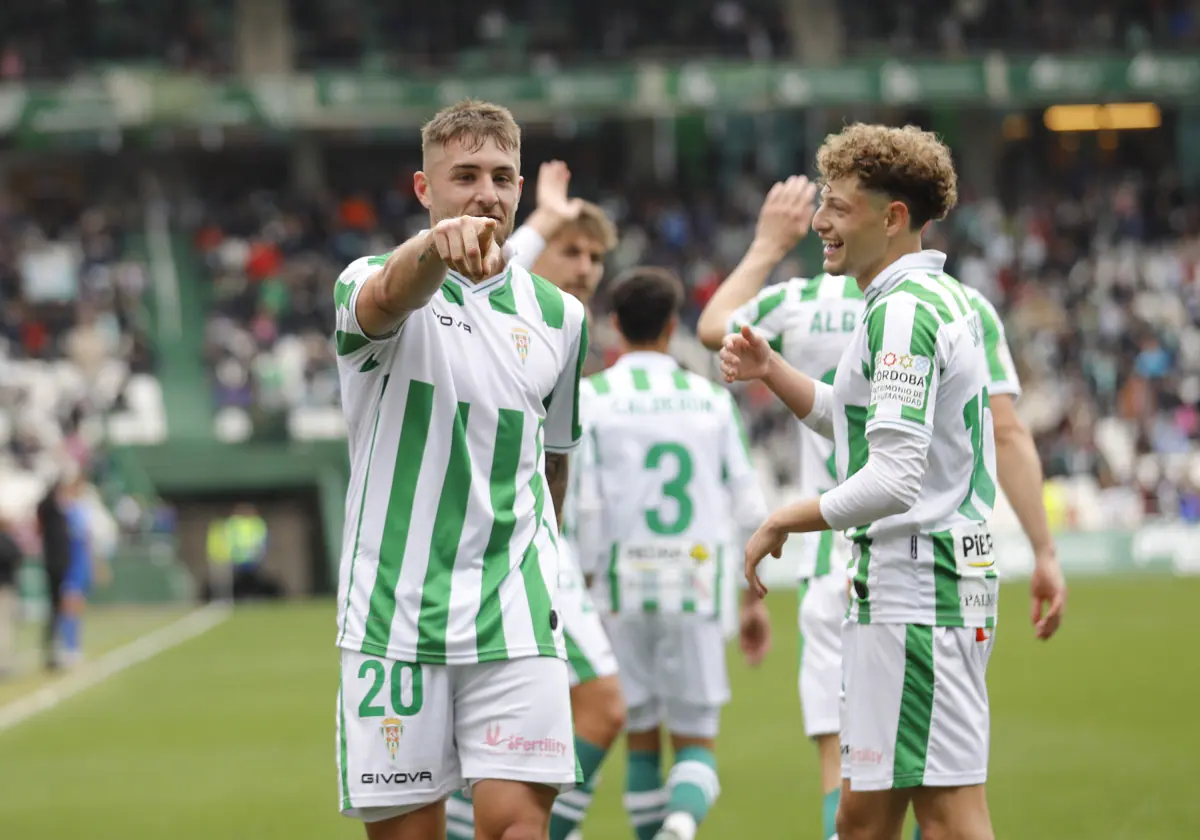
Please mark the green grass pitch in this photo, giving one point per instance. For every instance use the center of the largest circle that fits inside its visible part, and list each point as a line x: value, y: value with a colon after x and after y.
x: 1094, y: 735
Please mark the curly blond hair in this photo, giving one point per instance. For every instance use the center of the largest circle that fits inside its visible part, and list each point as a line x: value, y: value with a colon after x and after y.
x: 473, y: 123
x: 907, y: 164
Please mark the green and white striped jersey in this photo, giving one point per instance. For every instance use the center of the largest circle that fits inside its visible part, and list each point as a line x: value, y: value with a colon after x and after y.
x: 1002, y: 373
x: 666, y: 478
x: 450, y: 548
x: 918, y: 362
x: 810, y: 323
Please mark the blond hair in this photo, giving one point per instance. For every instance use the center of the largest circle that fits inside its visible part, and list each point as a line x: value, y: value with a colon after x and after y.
x: 594, y: 223
x: 906, y: 164
x: 472, y: 123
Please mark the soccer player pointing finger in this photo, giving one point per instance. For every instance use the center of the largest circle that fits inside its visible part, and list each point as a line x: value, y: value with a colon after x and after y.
x: 459, y: 381
x: 909, y: 416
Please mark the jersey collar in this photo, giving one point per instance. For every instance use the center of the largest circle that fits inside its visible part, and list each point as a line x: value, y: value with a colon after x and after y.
x: 486, y: 287
x: 646, y: 358
x: 927, y: 260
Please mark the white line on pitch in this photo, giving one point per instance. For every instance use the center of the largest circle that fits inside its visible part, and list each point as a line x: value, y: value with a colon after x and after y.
x: 112, y: 663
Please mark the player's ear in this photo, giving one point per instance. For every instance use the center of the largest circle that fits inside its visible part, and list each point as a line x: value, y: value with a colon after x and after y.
x: 421, y: 188
x: 898, y: 218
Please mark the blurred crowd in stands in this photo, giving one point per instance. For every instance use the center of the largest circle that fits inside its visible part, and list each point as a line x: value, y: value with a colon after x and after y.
x: 1099, y: 288
x: 1097, y: 274
x: 75, y: 353
x: 57, y: 38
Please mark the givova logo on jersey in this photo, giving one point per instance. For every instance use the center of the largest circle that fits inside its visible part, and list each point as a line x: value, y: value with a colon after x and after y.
x: 900, y: 377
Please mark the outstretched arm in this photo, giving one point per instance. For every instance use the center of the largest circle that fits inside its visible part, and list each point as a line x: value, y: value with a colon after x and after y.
x: 415, y: 270
x: 746, y: 355
x: 783, y: 221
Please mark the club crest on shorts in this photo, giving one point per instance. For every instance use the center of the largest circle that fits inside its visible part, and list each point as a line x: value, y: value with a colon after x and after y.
x: 392, y: 728
x: 520, y: 337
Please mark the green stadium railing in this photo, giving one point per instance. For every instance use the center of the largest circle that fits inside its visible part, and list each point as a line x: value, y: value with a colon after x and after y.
x: 120, y: 99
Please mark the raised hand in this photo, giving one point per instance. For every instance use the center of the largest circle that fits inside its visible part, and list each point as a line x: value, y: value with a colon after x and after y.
x: 554, y: 178
x: 467, y: 244
x: 745, y: 355
x: 786, y: 214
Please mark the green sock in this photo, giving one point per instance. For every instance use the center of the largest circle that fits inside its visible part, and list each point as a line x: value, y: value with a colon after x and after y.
x: 692, y: 784
x: 917, y: 833
x: 829, y: 813
x: 571, y: 807
x: 460, y: 817
x: 645, y: 799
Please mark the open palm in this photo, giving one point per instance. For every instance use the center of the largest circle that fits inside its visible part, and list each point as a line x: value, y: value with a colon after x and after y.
x: 744, y: 355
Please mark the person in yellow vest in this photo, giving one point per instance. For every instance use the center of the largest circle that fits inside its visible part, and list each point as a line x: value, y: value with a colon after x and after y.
x: 237, y: 549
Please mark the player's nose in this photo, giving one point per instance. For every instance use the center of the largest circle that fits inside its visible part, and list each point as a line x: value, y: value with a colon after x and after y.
x: 486, y: 194
x: 820, y: 222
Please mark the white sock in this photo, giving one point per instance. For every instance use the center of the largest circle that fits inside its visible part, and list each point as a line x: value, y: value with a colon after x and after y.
x: 681, y: 824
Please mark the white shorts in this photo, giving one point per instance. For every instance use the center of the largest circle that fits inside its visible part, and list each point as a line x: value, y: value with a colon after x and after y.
x: 823, y: 603
x: 916, y: 706
x: 589, y: 655
x: 410, y: 735
x: 672, y: 670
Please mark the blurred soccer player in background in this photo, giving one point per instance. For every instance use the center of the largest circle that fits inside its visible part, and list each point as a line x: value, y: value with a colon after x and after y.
x: 666, y: 494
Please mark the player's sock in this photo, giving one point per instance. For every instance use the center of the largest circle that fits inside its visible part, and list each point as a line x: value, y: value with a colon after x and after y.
x: 829, y: 814
x: 68, y: 632
x: 645, y: 799
x: 917, y: 833
x: 571, y: 807
x: 692, y: 788
x: 460, y: 817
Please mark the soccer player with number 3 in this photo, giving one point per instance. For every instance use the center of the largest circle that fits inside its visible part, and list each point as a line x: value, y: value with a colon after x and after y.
x: 667, y: 495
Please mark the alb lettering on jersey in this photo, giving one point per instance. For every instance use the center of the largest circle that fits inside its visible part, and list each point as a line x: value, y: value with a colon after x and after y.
x: 902, y: 378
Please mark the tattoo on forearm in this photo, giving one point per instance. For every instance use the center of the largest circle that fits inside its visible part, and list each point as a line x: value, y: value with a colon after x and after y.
x: 426, y: 254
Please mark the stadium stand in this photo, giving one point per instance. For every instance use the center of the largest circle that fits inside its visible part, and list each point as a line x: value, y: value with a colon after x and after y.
x: 1090, y: 255
x: 76, y: 366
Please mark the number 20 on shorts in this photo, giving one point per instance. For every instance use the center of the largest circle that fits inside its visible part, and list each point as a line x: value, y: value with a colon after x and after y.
x: 375, y: 671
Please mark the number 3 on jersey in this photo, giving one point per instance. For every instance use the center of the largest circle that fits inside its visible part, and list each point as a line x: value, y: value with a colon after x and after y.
x: 670, y: 458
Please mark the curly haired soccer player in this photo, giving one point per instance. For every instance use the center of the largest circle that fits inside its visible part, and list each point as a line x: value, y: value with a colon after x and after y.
x: 908, y: 411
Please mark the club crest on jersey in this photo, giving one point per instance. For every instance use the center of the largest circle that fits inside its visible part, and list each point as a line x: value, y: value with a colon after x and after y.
x: 520, y: 337
x: 699, y: 553
x: 391, y: 728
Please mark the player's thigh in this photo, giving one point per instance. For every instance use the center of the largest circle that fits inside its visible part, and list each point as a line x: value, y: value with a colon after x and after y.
x: 426, y: 823
x: 505, y: 808
x: 822, y: 611
x: 693, y: 675
x: 959, y: 732
x: 513, y: 722
x: 598, y: 710
x: 395, y: 737
x: 635, y: 640
x: 953, y: 813
x: 871, y: 815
